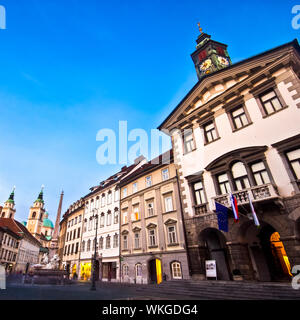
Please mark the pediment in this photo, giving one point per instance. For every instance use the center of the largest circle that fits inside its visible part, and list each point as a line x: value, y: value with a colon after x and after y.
x: 219, y: 87
x: 241, y: 154
x: 170, y: 221
x: 151, y: 226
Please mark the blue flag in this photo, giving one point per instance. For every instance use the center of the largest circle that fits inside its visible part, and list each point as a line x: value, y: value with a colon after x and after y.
x: 222, y: 213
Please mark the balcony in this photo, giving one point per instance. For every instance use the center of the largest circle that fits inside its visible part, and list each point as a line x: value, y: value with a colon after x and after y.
x: 259, y: 193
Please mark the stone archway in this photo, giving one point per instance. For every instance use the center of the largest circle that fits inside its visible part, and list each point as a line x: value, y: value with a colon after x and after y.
x: 266, y: 251
x: 213, y: 245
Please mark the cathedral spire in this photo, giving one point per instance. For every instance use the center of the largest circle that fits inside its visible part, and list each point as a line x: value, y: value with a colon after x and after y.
x: 11, y: 198
x: 210, y: 56
x: 41, y: 195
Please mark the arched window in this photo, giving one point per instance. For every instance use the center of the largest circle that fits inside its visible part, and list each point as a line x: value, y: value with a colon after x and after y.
x: 240, y: 177
x: 125, y: 270
x: 176, y: 270
x: 138, y: 270
x: 108, y: 223
x: 116, y: 216
x: 33, y: 215
x: 88, y: 245
x: 108, y: 242
x: 97, y: 202
x: 116, y: 240
x: 102, y: 217
x: 101, y: 243
x: 109, y: 197
x: 103, y: 200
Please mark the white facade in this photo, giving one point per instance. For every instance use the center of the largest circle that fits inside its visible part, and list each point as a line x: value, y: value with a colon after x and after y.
x: 28, y: 255
x: 106, y: 204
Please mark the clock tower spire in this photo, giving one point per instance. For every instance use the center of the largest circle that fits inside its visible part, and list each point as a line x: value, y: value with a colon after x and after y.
x: 210, y: 56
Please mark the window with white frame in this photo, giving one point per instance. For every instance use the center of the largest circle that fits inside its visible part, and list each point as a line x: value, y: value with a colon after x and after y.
x: 125, y: 242
x: 172, y: 237
x: 97, y: 202
x: 108, y: 245
x: 168, y: 203
x: 294, y: 161
x: 224, y: 183
x: 101, y: 243
x: 210, y: 132
x: 148, y: 182
x: 165, y: 174
x: 109, y: 197
x: 152, y: 237
x: 117, y: 195
x: 240, y: 176
x: 188, y: 139
x: 199, y: 193
x: 239, y: 117
x: 134, y: 187
x: 90, y: 224
x: 124, y: 192
x: 102, y: 218
x: 138, y: 270
x: 260, y: 173
x: 116, y: 240
x: 270, y: 102
x: 150, y: 208
x: 125, y: 270
x: 176, y: 270
x: 108, y: 223
x: 116, y: 216
x: 137, y: 240
x: 103, y: 200
x: 88, y: 245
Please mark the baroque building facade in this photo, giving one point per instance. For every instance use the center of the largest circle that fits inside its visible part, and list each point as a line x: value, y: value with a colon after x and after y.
x: 237, y: 131
x: 151, y: 226
x: 100, y: 228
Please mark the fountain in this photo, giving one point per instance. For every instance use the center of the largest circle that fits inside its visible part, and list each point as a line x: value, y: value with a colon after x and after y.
x: 48, y: 272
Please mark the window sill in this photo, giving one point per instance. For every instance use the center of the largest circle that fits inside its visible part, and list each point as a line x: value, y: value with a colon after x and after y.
x: 238, y: 129
x: 137, y: 248
x: 188, y: 152
x: 207, y: 143
x: 152, y: 247
x: 148, y: 217
x: 168, y: 212
x: 271, y: 114
x: 173, y: 244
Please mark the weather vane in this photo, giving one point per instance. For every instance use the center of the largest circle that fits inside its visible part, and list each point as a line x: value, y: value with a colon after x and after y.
x: 200, y: 29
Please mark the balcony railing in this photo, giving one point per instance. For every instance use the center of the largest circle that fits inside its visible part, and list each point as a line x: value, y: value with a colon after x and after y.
x: 201, y: 209
x: 259, y: 193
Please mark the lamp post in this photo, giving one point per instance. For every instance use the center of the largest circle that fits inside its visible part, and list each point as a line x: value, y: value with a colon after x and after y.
x: 94, y: 216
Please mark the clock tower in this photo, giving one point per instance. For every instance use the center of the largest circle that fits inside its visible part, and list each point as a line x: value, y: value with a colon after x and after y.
x: 210, y: 56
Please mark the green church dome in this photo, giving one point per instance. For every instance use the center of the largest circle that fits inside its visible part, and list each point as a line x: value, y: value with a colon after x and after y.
x: 48, y: 223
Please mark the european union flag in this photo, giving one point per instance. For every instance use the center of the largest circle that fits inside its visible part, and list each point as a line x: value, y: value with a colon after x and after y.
x: 222, y: 213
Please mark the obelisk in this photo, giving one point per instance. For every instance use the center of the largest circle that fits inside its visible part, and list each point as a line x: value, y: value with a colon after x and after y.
x: 54, y: 241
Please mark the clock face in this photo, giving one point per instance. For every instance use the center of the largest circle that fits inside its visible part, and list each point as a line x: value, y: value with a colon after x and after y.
x: 205, y: 65
x: 223, y: 61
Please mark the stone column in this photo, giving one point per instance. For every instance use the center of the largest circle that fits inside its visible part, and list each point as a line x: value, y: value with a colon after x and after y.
x: 240, y: 258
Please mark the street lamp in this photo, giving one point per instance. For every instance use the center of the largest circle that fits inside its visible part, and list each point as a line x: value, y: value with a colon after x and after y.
x: 94, y: 216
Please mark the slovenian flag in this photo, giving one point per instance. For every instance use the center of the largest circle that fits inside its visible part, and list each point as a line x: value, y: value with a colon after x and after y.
x: 253, y: 211
x: 234, y: 206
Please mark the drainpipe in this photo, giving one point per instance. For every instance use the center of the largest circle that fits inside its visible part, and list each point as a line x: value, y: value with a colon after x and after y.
x: 183, y: 223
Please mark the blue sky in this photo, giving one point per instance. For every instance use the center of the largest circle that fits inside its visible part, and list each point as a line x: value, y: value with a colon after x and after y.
x: 71, y: 68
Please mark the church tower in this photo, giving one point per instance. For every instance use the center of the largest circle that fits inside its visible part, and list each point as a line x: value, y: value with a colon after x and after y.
x: 36, y: 216
x: 9, y: 210
x: 210, y: 56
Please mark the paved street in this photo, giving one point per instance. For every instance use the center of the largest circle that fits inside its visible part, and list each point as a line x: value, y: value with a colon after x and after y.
x: 184, y: 290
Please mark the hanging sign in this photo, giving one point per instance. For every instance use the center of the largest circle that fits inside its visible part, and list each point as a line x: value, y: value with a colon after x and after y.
x: 211, y: 268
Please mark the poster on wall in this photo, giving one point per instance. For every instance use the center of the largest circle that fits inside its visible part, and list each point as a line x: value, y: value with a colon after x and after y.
x: 211, y: 269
